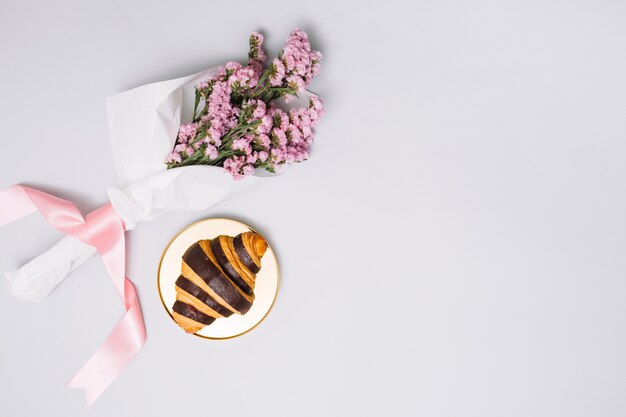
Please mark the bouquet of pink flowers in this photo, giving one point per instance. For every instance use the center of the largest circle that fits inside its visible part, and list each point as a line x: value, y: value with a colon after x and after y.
x: 237, y: 123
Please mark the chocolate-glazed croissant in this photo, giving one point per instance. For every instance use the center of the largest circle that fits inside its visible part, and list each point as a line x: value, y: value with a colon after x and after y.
x: 217, y: 279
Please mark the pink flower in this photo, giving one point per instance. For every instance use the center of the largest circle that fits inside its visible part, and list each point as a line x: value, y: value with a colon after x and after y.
x: 263, y: 156
x: 280, y: 136
x: 294, y: 134
x: 257, y: 37
x: 300, y: 68
x: 213, y: 136
x: 284, y: 119
x: 265, y: 125
x: 243, y: 77
x: 298, y: 58
x: 277, y: 72
x: 301, y: 155
x: 263, y: 140
x: 180, y: 148
x: 242, y: 144
x: 278, y: 155
x: 316, y: 68
x: 296, y: 82
x: 316, y: 109
x: 256, y: 55
x: 259, y: 110
x: 233, y: 166
x: 211, y: 152
x: 252, y: 158
x: 232, y: 66
x: 173, y: 157
x: 186, y: 132
x: 248, y: 169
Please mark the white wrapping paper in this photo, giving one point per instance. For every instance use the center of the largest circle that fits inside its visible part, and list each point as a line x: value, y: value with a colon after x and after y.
x: 143, y: 124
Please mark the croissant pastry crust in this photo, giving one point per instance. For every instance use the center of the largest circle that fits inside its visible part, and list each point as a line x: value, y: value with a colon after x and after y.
x: 217, y: 279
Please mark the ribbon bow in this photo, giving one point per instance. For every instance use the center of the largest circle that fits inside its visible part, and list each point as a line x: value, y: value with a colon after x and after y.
x: 103, y: 229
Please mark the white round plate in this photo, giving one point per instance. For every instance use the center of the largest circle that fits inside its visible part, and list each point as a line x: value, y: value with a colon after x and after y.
x: 265, y: 291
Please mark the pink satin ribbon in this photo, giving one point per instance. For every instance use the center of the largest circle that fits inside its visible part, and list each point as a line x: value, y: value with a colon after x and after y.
x: 104, y: 229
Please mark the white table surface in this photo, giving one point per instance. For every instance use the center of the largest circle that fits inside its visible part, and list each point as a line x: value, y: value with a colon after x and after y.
x: 455, y: 246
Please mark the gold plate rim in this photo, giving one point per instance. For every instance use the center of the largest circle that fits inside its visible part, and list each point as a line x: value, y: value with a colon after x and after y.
x: 194, y: 224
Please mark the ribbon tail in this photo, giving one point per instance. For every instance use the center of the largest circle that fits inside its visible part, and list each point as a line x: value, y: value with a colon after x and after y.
x: 124, y: 342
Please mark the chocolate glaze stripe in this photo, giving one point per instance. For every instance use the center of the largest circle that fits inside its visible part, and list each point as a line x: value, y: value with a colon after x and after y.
x: 192, y: 313
x: 199, y: 293
x: 188, y: 273
x: 229, y: 269
x: 243, y: 254
x: 202, y: 266
x: 184, y: 297
x: 243, y: 272
x: 206, y: 247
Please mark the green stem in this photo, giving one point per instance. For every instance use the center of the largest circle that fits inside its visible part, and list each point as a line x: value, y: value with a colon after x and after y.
x: 195, y: 106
